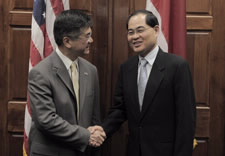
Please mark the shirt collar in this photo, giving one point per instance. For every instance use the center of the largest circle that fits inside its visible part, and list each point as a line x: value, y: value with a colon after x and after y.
x: 67, y: 62
x: 150, y: 57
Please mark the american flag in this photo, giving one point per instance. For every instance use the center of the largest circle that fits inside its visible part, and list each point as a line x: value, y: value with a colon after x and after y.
x: 42, y: 45
x: 171, y: 15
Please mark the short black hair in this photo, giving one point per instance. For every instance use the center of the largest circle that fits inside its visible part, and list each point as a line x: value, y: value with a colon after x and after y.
x: 70, y: 23
x: 151, y: 19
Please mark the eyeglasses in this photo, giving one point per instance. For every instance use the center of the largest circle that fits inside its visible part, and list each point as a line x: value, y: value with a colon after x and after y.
x: 86, y: 36
x: 81, y: 36
x: 138, y: 31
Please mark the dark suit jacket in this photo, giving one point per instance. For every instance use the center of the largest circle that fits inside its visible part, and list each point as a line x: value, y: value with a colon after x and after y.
x: 55, y: 129
x: 166, y: 124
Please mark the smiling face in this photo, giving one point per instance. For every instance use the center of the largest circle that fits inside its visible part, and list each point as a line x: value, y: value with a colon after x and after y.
x: 141, y: 37
x: 79, y: 45
x: 82, y: 44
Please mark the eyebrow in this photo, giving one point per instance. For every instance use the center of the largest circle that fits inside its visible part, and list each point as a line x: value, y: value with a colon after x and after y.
x: 136, y: 28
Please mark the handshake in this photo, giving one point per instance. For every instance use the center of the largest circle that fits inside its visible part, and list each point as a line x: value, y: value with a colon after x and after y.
x: 97, y: 136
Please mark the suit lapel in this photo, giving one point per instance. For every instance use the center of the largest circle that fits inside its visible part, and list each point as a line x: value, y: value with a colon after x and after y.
x: 83, y: 75
x: 154, y: 81
x: 62, y: 72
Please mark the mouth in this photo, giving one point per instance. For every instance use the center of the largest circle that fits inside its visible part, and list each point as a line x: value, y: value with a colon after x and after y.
x: 136, y: 44
x: 87, y: 47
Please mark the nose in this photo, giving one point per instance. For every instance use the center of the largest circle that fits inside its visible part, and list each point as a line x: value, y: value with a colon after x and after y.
x: 135, y: 35
x: 90, y: 40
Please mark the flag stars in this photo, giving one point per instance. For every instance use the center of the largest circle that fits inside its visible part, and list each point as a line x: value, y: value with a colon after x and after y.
x: 44, y: 15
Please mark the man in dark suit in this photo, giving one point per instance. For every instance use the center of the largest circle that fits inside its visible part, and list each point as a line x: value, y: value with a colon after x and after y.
x: 65, y: 99
x: 156, y: 97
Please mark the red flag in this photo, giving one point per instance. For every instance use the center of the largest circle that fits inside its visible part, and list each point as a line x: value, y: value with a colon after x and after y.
x: 42, y: 45
x: 172, y: 20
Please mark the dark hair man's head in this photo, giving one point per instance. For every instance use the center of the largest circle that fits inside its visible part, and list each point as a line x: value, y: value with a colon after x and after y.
x: 70, y: 23
x: 151, y: 19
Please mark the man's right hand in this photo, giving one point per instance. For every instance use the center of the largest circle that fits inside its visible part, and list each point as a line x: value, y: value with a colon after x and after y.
x: 97, y: 136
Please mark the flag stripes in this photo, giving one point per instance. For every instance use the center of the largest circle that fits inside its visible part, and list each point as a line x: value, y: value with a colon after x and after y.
x: 172, y: 21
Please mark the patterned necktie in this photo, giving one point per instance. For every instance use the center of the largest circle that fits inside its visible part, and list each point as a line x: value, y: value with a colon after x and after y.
x: 143, y: 78
x: 75, y: 80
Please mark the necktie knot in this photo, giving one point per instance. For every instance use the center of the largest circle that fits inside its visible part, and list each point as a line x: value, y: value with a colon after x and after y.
x: 73, y: 67
x: 144, y: 62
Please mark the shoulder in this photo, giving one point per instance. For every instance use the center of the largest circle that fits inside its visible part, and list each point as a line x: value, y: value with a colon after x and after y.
x: 45, y: 66
x: 171, y: 59
x: 130, y: 62
x: 86, y: 64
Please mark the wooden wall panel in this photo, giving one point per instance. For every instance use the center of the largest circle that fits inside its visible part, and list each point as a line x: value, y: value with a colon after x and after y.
x: 15, y: 117
x: 203, y: 123
x: 20, y: 18
x: 199, y: 22
x: 3, y: 79
x: 21, y: 4
x: 198, y: 6
x: 201, y: 149
x: 17, y: 14
x: 198, y: 47
x: 101, y: 52
x: 119, y: 55
x: 217, y: 81
x: 19, y: 62
x: 16, y: 145
x: 120, y: 46
x: 83, y: 5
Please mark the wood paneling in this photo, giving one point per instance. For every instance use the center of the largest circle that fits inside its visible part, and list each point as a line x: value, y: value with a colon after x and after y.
x: 203, y: 120
x: 18, y: 70
x: 217, y: 81
x: 16, y: 145
x: 83, y: 5
x: 206, y: 17
x: 198, y: 47
x: 199, y: 22
x: 120, y: 47
x: 139, y: 4
x: 200, y: 27
x: 199, y: 6
x: 21, y: 4
x: 201, y: 149
x: 101, y: 52
x: 21, y: 18
x: 119, y: 55
x: 3, y: 79
x: 15, y: 118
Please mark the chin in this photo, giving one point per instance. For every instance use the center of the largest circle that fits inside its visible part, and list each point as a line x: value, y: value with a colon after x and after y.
x: 137, y: 50
x: 86, y: 52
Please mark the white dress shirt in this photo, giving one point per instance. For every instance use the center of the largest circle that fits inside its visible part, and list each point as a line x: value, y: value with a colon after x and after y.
x: 67, y: 62
x: 150, y: 57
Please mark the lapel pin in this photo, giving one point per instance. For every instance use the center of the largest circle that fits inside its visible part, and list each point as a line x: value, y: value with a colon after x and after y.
x: 85, y: 73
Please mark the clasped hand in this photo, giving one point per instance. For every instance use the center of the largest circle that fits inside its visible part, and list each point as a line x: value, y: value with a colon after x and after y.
x: 97, y: 136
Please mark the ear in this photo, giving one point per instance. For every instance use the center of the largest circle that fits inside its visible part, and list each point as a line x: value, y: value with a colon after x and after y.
x: 66, y: 42
x: 156, y: 28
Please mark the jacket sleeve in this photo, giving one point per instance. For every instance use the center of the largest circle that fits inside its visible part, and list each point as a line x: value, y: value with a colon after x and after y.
x: 96, y: 118
x: 117, y: 112
x: 185, y: 110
